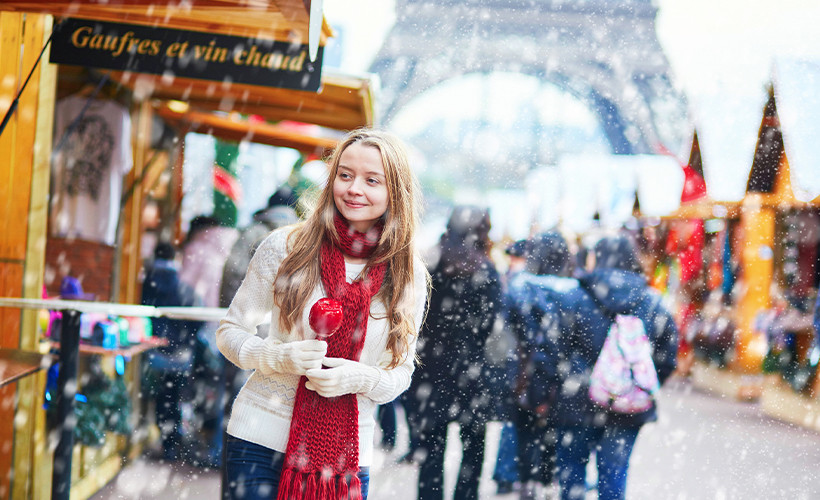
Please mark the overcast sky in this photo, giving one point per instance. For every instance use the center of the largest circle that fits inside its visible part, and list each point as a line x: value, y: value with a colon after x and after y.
x: 735, y: 40
x: 731, y: 41
x: 721, y: 52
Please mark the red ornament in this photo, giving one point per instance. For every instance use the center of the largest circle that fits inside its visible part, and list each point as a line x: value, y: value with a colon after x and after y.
x: 325, y: 317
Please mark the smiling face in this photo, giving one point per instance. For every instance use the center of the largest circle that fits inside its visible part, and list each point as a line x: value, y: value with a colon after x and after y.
x: 360, y: 186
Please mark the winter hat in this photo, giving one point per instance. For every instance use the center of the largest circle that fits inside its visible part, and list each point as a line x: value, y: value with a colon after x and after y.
x: 548, y: 254
x: 517, y: 249
x: 466, y: 220
x: 278, y: 216
x: 617, y: 252
x: 72, y: 289
x: 164, y: 251
x: 466, y: 241
x: 284, y: 196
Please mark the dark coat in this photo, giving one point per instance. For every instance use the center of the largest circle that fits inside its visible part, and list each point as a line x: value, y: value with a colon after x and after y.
x: 162, y: 287
x: 236, y: 265
x: 561, y: 322
x: 452, y: 382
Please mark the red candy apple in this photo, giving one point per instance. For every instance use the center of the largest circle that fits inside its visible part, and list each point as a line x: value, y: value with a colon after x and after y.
x: 326, y: 317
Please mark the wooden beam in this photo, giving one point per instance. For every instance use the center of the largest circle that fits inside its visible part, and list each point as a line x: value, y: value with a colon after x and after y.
x: 285, y: 20
x: 237, y: 129
x: 36, y: 108
x: 342, y: 102
x: 129, y: 255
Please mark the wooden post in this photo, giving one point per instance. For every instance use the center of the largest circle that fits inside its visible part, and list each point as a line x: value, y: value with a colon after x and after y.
x: 31, y: 446
x: 130, y: 262
x: 758, y: 227
x: 25, y: 148
x: 177, y: 181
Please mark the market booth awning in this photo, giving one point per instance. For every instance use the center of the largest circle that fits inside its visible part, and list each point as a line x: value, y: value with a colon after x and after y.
x: 238, y: 128
x: 343, y: 102
x: 207, y: 54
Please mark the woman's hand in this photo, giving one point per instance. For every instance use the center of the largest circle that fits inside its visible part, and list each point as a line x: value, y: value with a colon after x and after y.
x: 293, y: 357
x: 342, y: 376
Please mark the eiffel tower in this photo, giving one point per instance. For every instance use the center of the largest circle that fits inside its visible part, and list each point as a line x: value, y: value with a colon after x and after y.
x: 604, y: 52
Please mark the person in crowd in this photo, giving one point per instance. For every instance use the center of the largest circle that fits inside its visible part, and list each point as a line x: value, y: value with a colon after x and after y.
x: 507, y: 461
x: 278, y: 213
x: 204, y: 252
x: 303, y: 424
x: 170, y: 366
x: 285, y: 196
x: 816, y: 317
x: 535, y: 317
x: 386, y: 415
x: 452, y: 383
x: 616, y: 285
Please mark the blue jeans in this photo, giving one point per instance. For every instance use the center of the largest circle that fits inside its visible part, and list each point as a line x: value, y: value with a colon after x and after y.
x: 536, y: 447
x: 612, y: 447
x: 506, y: 463
x: 386, y: 415
x: 253, y: 471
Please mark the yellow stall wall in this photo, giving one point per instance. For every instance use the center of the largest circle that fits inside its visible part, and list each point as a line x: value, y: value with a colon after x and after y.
x: 25, y: 149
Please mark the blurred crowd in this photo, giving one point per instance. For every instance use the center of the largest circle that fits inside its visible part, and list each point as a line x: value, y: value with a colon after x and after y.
x: 515, y: 340
x: 511, y: 335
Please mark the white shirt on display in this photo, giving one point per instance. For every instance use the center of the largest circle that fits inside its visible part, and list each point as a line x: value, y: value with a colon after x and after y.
x: 88, y: 168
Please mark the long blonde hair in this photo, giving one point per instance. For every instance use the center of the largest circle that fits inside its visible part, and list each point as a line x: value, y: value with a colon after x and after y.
x: 299, y: 273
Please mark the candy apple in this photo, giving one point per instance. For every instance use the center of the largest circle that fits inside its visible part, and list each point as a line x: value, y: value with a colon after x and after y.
x: 326, y: 317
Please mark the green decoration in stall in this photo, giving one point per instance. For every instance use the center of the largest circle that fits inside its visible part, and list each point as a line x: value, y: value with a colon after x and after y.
x: 104, y: 405
x: 227, y: 189
x: 306, y: 186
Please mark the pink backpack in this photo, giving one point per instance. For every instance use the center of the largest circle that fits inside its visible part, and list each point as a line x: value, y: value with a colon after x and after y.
x: 624, y: 379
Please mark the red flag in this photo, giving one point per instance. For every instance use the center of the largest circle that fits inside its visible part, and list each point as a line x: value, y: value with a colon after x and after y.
x: 694, y: 187
x: 227, y: 184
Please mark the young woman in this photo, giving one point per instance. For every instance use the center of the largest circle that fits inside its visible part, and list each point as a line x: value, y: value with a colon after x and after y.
x: 302, y: 425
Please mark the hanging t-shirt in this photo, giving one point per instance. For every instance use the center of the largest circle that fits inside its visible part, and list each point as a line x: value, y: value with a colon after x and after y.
x: 88, y: 168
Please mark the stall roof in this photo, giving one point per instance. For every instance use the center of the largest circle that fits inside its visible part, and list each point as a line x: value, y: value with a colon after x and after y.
x: 237, y: 128
x: 343, y: 102
x: 286, y: 20
x: 798, y: 107
x: 727, y: 124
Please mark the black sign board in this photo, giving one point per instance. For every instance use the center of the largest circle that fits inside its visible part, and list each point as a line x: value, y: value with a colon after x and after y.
x: 186, y: 54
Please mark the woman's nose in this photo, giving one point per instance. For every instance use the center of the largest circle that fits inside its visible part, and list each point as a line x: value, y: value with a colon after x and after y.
x: 355, y: 186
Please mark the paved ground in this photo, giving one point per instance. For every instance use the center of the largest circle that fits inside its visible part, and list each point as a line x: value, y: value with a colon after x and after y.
x: 702, y: 447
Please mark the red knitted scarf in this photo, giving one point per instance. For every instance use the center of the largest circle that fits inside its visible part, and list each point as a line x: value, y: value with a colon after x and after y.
x: 322, y: 456
x: 354, y: 243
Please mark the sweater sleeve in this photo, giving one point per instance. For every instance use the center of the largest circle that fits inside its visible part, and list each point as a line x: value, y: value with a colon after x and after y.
x: 393, y: 382
x: 236, y: 336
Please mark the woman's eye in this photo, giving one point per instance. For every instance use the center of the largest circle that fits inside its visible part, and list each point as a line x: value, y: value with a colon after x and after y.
x: 373, y: 180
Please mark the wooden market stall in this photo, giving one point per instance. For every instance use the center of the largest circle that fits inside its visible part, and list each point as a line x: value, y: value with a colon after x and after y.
x: 691, y: 265
x: 792, y: 388
x: 764, y: 221
x: 30, y: 88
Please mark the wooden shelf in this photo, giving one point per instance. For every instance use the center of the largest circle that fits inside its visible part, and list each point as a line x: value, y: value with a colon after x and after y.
x: 16, y: 364
x: 128, y: 352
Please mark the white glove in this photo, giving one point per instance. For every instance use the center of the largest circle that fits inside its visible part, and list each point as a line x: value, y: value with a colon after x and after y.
x: 292, y: 357
x: 343, y: 376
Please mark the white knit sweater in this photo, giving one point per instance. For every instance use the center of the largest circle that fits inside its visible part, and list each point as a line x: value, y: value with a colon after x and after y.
x: 262, y: 410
